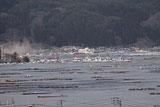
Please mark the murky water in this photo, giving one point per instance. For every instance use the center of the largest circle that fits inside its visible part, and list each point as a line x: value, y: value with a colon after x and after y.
x: 135, y: 83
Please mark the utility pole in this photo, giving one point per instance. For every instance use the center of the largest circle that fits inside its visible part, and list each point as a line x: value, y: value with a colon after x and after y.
x: 12, y: 102
x: 116, y: 102
x: 61, y: 103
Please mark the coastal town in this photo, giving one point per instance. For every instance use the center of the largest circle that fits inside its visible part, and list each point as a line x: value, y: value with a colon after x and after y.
x: 70, y: 54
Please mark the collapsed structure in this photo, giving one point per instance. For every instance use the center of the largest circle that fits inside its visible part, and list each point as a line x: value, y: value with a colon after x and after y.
x: 12, y: 58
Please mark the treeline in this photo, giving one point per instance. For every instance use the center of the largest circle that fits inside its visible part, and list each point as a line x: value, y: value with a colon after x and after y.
x: 80, y: 22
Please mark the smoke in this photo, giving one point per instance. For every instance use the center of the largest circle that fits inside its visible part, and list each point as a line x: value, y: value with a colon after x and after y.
x: 19, y: 47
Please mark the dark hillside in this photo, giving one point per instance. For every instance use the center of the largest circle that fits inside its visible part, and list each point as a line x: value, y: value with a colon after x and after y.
x: 80, y: 22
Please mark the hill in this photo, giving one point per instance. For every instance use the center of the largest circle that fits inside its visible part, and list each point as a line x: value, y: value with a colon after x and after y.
x: 80, y: 22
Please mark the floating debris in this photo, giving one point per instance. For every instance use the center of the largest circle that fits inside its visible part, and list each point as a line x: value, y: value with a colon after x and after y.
x: 6, y: 84
x: 130, y: 82
x: 15, y: 80
x: 48, y: 86
x: 40, y: 70
x: 104, y: 79
x: 112, y: 72
x: 14, y: 85
x: 26, y: 86
x: 10, y: 73
x: 154, y: 93
x: 32, y: 68
x: 103, y: 59
x: 96, y: 77
x: 141, y: 89
x: 11, y: 91
x: 52, y: 96
x: 4, y: 76
x: 129, y: 79
x: 28, y: 76
x: 71, y: 72
x: 107, y: 66
x: 67, y: 72
x: 49, y: 79
x: 35, y: 93
x: 156, y: 70
x: 37, y: 70
x: 96, y: 69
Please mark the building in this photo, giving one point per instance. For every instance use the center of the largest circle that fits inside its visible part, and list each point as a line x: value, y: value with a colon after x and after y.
x: 0, y: 53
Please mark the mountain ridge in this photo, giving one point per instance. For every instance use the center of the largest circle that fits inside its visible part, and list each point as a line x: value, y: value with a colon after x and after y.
x: 80, y: 22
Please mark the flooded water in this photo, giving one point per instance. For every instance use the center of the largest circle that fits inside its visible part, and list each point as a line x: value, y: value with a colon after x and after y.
x: 102, y: 84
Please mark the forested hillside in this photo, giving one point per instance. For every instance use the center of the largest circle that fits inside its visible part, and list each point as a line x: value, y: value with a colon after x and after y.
x: 80, y: 22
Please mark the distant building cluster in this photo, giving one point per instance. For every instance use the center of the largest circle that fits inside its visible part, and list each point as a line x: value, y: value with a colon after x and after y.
x: 12, y: 58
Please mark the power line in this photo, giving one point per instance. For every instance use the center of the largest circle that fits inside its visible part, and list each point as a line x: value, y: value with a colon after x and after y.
x: 89, y: 103
x: 139, y: 103
x: 135, y: 104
